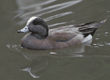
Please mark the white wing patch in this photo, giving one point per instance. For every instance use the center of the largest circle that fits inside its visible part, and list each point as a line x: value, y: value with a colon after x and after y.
x: 31, y: 19
x: 88, y: 38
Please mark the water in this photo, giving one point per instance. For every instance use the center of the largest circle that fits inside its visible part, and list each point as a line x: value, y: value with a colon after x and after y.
x: 83, y: 62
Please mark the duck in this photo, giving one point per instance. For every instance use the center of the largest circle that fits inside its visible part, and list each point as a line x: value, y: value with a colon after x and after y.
x: 40, y: 37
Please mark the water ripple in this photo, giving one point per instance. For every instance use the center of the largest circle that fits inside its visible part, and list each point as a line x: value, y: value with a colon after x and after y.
x: 13, y: 47
x: 57, y: 7
x: 57, y: 16
x: 56, y: 24
x: 43, y: 11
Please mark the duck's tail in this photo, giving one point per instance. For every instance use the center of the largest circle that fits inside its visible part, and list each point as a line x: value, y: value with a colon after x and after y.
x: 91, y: 27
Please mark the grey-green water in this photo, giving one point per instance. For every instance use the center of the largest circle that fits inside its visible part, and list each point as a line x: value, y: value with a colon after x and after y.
x: 75, y: 63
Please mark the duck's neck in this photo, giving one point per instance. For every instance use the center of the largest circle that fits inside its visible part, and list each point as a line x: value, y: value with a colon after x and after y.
x: 39, y: 36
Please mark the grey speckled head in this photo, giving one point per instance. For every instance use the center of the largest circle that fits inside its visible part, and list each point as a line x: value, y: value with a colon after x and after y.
x: 37, y: 26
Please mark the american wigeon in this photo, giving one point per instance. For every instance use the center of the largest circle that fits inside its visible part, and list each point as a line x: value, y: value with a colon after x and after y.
x: 40, y: 37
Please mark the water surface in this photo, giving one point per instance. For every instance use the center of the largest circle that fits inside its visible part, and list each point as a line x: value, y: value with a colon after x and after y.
x: 74, y: 63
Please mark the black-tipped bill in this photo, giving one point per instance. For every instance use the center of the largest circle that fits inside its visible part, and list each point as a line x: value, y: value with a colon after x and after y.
x: 25, y: 29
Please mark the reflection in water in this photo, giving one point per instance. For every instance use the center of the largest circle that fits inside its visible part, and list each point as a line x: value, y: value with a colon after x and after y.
x: 37, y: 67
x: 28, y: 9
x: 40, y: 59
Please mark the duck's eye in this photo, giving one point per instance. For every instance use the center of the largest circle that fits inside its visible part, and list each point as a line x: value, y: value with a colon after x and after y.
x: 35, y: 22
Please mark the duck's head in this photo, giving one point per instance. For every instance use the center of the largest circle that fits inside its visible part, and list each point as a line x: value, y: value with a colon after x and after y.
x: 36, y: 26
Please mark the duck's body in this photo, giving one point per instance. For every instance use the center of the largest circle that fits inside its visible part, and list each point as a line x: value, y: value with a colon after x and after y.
x: 53, y: 41
x: 42, y: 38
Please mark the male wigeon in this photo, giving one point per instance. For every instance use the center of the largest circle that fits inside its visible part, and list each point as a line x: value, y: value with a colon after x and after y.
x: 40, y: 37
